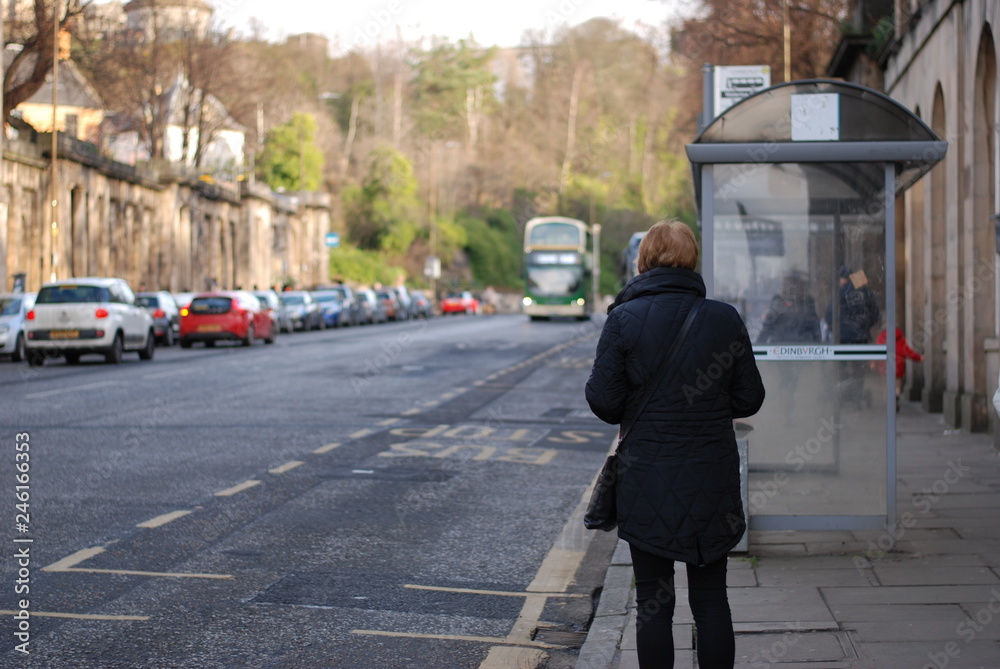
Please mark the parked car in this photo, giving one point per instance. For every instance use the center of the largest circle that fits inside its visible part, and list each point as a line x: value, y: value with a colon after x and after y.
x: 276, y: 308
x: 331, y: 307
x: 422, y: 306
x: 166, y: 316
x: 349, y: 304
x: 302, y: 310
x: 183, y: 299
x: 460, y: 303
x: 76, y: 317
x: 226, y: 315
x: 405, y: 303
x: 390, y: 302
x: 13, y: 309
x: 372, y: 308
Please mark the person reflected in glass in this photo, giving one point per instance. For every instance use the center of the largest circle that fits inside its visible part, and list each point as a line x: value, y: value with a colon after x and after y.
x: 678, y: 485
x: 791, y: 317
x: 859, y: 310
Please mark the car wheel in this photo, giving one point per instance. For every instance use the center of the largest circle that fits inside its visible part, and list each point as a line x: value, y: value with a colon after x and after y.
x: 185, y: 343
x: 273, y: 335
x: 168, y: 338
x: 35, y: 358
x: 72, y: 358
x: 250, y: 336
x: 19, y: 350
x: 114, y: 354
x: 146, y: 353
x: 209, y: 343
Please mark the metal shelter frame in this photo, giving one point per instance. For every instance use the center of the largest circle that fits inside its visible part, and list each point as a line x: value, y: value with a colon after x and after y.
x: 874, y: 135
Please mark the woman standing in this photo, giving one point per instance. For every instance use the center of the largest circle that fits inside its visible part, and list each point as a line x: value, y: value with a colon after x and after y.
x: 678, y: 488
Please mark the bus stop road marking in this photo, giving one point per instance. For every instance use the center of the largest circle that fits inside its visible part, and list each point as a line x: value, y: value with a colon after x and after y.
x: 164, y: 519
x: 239, y: 487
x: 77, y: 616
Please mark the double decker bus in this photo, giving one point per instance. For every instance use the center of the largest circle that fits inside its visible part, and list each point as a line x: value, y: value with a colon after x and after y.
x: 558, y: 265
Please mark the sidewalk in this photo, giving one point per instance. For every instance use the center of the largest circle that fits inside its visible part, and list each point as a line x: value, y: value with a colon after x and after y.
x: 826, y: 600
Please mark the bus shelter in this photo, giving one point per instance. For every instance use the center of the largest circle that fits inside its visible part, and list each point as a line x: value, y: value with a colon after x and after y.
x: 796, y: 189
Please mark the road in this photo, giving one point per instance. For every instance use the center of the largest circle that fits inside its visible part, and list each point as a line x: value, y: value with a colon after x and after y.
x: 404, y: 495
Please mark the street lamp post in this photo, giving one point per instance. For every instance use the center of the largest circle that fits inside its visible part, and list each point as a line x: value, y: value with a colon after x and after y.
x: 54, y: 179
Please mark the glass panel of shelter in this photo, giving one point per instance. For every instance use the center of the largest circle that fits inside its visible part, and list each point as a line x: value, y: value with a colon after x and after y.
x: 800, y: 252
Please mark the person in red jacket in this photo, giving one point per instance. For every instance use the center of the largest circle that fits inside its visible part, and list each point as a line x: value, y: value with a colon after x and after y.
x: 903, y: 351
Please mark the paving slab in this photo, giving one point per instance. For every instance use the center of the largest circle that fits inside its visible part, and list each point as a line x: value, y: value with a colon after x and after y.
x: 942, y: 614
x: 904, y: 574
x: 955, y: 654
x: 790, y: 605
x: 929, y: 594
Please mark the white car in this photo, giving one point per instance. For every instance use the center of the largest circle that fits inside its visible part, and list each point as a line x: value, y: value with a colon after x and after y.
x: 90, y: 315
x: 13, y: 309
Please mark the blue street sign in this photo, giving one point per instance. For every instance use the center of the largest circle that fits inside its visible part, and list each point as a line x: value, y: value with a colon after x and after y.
x: 333, y: 239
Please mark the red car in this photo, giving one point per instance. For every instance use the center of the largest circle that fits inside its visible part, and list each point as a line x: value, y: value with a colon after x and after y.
x: 225, y: 315
x: 460, y: 303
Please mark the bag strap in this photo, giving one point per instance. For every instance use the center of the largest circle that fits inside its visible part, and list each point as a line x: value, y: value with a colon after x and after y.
x: 663, y: 364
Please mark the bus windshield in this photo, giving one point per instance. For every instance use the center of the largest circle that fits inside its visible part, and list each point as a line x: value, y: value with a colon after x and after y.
x: 555, y: 235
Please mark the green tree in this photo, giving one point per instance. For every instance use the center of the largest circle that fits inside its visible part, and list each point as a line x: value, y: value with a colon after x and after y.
x: 291, y: 160
x: 493, y: 244
x: 383, y: 212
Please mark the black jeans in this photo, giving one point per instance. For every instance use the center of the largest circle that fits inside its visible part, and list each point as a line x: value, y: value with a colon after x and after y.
x: 654, y: 591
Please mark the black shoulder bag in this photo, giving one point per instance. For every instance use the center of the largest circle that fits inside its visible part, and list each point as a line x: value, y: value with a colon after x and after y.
x: 602, y: 512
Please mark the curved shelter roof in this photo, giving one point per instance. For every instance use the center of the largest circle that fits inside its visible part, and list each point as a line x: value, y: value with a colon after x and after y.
x: 820, y: 121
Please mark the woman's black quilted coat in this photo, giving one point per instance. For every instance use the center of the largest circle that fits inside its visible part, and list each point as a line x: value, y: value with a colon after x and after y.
x: 679, y: 483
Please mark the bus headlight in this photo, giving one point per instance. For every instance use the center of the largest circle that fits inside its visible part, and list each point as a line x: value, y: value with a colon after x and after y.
x: 580, y: 302
x: 527, y: 301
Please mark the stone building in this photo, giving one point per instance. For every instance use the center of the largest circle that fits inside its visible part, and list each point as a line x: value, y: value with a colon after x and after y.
x: 939, y: 59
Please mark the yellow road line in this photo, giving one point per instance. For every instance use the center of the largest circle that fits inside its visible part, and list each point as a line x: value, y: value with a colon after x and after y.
x: 239, y: 487
x: 74, y: 559
x: 455, y: 637
x: 411, y: 412
x: 326, y: 449
x: 67, y: 564
x: 76, y: 616
x: 361, y: 433
x: 164, y: 519
x: 389, y: 421
x: 292, y: 464
x: 135, y: 572
x: 500, y: 593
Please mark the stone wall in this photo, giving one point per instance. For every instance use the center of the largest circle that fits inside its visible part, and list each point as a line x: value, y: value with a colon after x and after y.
x: 156, y: 230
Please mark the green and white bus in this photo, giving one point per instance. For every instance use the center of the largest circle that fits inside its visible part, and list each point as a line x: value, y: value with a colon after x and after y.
x: 558, y: 266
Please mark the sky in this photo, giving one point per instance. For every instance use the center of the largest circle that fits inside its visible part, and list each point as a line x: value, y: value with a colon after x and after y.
x: 354, y: 23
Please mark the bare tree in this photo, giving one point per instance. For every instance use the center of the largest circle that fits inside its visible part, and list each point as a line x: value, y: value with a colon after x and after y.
x: 33, y: 62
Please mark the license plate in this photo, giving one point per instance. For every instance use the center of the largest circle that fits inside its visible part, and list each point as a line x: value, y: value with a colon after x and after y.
x: 64, y: 334
x: 209, y: 328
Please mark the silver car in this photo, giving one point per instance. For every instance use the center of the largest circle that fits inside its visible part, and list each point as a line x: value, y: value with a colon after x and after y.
x: 13, y: 307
